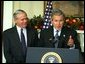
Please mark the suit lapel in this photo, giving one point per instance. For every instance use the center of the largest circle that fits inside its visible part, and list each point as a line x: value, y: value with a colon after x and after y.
x: 62, y: 33
x: 16, y: 37
x: 16, y: 34
x: 63, y: 37
x: 49, y: 37
x: 50, y: 33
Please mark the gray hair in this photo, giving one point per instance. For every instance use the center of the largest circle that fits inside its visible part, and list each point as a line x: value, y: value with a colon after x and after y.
x: 57, y: 12
x: 18, y: 12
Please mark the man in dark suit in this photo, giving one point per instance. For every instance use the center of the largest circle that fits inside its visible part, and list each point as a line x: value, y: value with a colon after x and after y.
x: 58, y: 35
x: 14, y: 50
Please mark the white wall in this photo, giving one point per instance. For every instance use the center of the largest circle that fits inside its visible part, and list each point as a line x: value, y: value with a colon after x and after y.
x: 7, y: 14
x: 7, y: 20
x: 31, y: 7
x: 81, y: 35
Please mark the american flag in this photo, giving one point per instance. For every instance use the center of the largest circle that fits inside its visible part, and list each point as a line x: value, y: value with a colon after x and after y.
x: 47, y: 16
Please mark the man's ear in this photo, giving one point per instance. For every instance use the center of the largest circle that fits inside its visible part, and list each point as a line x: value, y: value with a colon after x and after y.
x: 14, y: 21
x: 51, y: 19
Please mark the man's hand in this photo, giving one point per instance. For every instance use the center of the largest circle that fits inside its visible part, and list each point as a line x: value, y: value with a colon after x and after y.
x: 70, y: 41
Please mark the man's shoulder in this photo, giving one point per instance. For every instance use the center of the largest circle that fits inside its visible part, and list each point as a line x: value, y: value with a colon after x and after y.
x: 48, y: 29
x: 9, y: 30
x: 68, y: 29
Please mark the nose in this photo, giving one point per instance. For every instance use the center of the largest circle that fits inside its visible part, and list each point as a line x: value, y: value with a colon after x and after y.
x: 58, y: 22
x: 25, y: 20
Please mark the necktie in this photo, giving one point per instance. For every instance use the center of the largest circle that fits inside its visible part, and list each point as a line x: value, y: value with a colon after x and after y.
x: 23, y: 42
x: 56, y: 39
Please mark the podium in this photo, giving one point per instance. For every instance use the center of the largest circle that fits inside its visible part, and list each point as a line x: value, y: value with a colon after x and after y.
x: 52, y: 55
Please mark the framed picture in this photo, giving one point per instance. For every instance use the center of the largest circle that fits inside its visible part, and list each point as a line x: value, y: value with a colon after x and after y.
x: 70, y: 8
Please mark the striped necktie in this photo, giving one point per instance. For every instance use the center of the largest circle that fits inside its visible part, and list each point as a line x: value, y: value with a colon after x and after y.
x: 56, y: 39
x: 23, y: 42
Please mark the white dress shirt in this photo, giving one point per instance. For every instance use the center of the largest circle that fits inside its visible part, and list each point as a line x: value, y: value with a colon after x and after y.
x: 24, y: 31
x: 54, y: 31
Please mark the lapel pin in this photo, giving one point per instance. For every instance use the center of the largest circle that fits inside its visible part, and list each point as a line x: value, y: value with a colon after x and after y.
x: 63, y: 35
x: 50, y: 39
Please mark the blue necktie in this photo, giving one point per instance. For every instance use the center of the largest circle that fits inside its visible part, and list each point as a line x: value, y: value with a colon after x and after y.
x: 56, y: 39
x: 23, y: 42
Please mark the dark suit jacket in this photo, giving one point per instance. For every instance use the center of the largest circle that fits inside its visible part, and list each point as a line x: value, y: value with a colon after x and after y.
x: 46, y: 38
x: 12, y: 45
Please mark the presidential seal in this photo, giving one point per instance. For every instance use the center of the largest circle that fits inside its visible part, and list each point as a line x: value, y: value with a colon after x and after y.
x: 51, y: 57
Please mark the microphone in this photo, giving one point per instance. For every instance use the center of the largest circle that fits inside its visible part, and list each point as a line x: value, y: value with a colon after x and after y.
x: 51, y: 40
x: 54, y: 40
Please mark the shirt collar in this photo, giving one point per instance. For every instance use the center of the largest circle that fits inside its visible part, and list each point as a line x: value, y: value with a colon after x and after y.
x: 19, y: 28
x: 54, y: 30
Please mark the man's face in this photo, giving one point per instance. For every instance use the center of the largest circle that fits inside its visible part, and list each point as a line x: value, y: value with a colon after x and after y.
x: 21, y: 20
x: 57, y: 21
